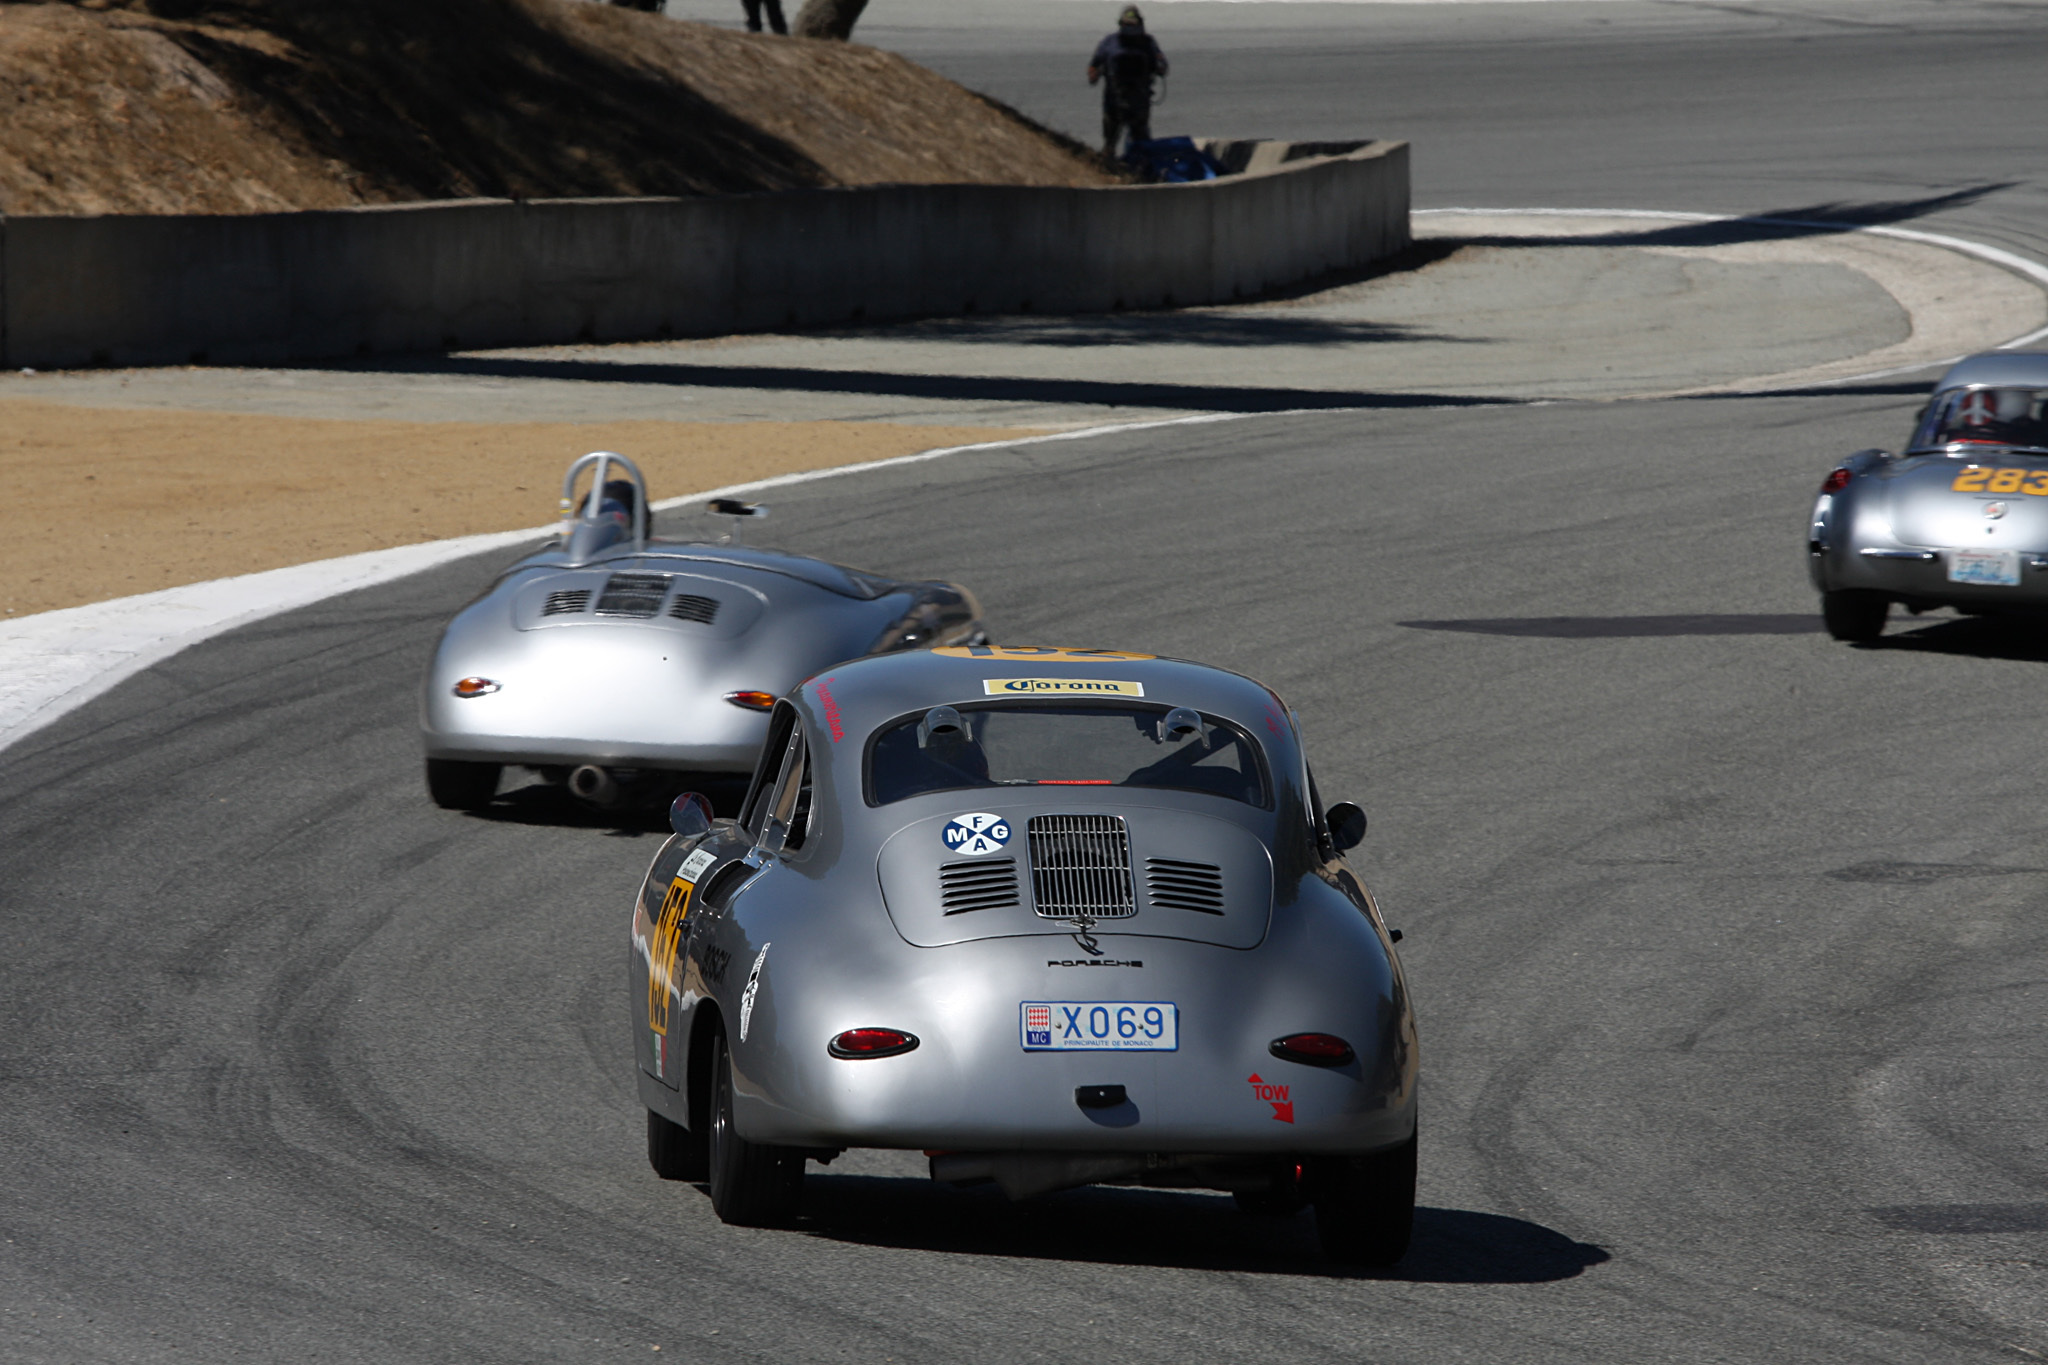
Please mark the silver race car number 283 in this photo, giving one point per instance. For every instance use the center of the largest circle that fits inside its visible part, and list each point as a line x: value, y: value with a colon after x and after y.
x: 1100, y: 1026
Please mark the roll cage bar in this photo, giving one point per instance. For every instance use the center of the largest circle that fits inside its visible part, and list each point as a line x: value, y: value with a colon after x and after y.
x: 581, y: 529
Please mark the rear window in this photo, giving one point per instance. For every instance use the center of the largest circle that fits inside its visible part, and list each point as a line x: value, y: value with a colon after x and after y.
x: 1064, y: 744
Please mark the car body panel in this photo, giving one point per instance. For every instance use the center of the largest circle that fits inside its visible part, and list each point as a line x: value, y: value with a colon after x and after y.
x: 785, y: 948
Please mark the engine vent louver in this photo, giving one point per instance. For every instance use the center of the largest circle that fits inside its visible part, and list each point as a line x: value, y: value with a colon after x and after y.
x: 984, y: 884
x: 633, y: 594
x: 1081, y: 866
x: 688, y: 607
x: 1174, y: 885
x: 564, y: 603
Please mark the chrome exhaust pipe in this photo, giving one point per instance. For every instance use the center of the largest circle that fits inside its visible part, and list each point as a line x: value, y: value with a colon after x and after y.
x: 595, y: 785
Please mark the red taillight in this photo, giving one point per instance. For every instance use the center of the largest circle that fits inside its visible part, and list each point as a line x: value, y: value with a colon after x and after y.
x: 1312, y: 1049
x: 1836, y: 481
x: 753, y: 701
x: 475, y: 687
x: 871, y: 1042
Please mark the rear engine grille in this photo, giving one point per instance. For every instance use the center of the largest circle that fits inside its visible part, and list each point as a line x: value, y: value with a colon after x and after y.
x: 1175, y: 885
x: 563, y: 603
x: 979, y: 885
x: 1081, y: 866
x: 633, y: 594
x: 687, y: 607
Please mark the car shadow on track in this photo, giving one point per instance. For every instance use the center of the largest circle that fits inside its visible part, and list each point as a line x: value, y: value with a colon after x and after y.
x: 2019, y: 639
x: 547, y: 803
x: 1172, y: 1228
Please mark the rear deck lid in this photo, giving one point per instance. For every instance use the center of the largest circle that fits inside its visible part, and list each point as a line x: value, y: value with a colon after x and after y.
x: 1993, y: 502
x: 991, y: 871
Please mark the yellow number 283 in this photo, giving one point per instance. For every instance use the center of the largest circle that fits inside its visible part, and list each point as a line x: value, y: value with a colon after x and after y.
x: 1984, y: 479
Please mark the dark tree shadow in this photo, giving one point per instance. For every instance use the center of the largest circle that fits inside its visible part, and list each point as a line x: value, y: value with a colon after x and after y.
x: 1771, y: 225
x: 983, y: 388
x: 1169, y: 1228
x: 1619, y: 627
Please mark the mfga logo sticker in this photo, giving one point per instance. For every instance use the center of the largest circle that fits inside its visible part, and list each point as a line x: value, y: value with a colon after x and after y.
x: 976, y: 834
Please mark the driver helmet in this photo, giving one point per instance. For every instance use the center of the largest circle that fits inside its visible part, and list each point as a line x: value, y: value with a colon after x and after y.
x: 1983, y: 407
x: 1131, y: 19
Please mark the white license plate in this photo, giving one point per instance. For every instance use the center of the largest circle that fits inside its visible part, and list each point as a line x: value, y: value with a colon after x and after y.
x: 1991, y: 568
x: 1099, y: 1026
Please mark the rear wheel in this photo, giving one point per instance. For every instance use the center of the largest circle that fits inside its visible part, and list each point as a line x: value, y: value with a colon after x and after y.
x: 456, y: 785
x: 1365, y: 1206
x: 674, y: 1151
x: 751, y: 1184
x: 1855, y: 614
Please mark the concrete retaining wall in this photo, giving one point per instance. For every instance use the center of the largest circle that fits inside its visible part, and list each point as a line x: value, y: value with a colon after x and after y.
x: 301, y: 286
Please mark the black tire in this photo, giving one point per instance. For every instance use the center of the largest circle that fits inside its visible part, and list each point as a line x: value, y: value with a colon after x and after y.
x: 456, y: 785
x: 1855, y: 615
x: 674, y: 1151
x: 752, y: 1185
x: 1365, y: 1206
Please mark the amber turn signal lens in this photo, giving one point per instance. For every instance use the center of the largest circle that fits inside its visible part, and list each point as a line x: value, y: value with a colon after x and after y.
x: 1836, y: 481
x: 475, y: 687
x: 871, y: 1042
x: 752, y: 701
x: 1312, y: 1049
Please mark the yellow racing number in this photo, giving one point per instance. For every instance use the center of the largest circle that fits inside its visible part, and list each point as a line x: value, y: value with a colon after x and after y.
x: 661, y: 956
x: 1984, y: 479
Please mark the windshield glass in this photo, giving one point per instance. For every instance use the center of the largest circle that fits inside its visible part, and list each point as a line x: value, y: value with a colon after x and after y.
x: 1973, y: 418
x: 1065, y: 744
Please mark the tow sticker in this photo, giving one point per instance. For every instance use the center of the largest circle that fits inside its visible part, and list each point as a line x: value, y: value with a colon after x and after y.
x: 1275, y: 1095
x: 975, y: 834
x: 1061, y: 687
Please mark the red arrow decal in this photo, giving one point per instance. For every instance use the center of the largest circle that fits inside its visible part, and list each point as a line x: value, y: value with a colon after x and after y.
x: 1283, y: 1113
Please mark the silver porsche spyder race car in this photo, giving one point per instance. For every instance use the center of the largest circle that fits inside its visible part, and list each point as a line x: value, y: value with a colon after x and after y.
x: 611, y: 658
x: 1053, y: 918
x: 1959, y: 520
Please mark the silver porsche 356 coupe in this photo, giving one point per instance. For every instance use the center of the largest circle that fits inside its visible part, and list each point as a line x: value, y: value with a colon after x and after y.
x: 1959, y: 520
x: 612, y: 659
x: 1052, y: 917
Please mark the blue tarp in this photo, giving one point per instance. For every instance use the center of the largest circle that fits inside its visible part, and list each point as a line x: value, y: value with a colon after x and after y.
x: 1171, y: 160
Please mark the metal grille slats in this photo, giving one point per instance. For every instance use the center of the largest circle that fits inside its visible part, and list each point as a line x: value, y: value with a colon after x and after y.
x: 563, y: 603
x: 979, y: 885
x: 1176, y: 885
x: 1081, y: 866
x: 689, y: 607
x: 633, y: 594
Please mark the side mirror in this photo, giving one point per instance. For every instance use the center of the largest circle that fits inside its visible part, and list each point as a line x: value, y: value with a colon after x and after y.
x: 1347, y: 824
x: 690, y: 814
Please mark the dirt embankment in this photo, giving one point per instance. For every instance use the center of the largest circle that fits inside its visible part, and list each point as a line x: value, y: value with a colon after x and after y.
x: 227, y: 106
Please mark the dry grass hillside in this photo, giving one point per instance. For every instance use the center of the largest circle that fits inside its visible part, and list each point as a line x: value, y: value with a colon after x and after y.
x: 238, y: 106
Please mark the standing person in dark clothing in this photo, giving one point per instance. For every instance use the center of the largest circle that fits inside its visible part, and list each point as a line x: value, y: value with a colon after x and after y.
x: 1126, y: 61
x: 753, y: 8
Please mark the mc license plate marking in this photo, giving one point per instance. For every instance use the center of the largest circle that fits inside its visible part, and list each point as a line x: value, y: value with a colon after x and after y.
x: 1099, y: 1025
x: 1987, y: 568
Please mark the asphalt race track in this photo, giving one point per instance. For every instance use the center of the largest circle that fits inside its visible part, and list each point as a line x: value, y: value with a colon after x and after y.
x: 1727, y: 940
